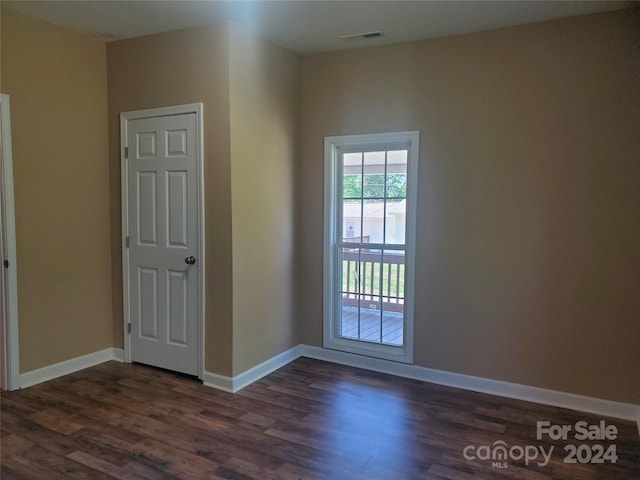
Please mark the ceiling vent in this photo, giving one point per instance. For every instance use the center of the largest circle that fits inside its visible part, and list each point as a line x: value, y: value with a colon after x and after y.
x: 366, y: 36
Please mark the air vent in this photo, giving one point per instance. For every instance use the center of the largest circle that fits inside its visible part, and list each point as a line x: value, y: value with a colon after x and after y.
x: 365, y: 35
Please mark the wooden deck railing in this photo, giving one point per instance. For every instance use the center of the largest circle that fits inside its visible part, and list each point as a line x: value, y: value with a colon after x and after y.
x: 373, y: 280
x: 364, y: 239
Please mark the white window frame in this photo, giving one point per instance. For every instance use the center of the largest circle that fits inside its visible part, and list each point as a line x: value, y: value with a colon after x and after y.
x: 332, y: 197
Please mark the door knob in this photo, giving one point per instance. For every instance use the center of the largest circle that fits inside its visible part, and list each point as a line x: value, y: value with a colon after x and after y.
x: 190, y: 260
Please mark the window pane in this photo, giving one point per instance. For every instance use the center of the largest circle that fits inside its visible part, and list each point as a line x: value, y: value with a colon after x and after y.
x: 396, y: 157
x: 352, y: 186
x: 392, y: 295
x: 352, y: 160
x: 360, y: 323
x: 350, y: 262
x: 396, y: 186
x: 352, y: 175
x: 370, y: 285
x: 373, y: 180
x: 349, y: 321
x: 373, y: 221
x: 395, y: 222
x: 360, y: 294
x: 393, y: 275
x: 349, y: 294
x: 369, y: 323
x: 372, y: 293
x: 352, y: 221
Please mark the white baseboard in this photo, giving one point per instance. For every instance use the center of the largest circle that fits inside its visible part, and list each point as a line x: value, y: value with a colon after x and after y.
x: 554, y: 398
x: 265, y: 368
x: 466, y: 382
x: 234, y: 384
x: 118, y: 354
x: 219, y: 382
x: 72, y: 365
x: 598, y: 406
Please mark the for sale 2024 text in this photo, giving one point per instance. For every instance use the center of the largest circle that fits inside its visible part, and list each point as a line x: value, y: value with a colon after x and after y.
x: 582, y: 431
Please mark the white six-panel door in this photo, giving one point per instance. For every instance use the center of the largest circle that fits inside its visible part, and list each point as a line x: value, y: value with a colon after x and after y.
x: 163, y: 230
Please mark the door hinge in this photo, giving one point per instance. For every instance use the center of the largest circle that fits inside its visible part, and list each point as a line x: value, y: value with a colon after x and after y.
x: 126, y: 153
x: 129, y: 328
x: 126, y: 241
x: 6, y: 264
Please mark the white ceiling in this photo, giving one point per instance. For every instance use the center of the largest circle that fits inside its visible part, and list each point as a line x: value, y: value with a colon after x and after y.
x: 307, y: 26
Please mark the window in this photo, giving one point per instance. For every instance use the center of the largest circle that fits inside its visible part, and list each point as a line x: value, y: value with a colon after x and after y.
x: 370, y: 206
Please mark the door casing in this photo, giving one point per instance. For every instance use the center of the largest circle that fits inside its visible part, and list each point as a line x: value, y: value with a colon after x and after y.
x: 125, y: 117
x: 9, y: 283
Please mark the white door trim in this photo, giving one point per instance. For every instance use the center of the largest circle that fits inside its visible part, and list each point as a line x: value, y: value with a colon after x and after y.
x: 10, y: 304
x: 150, y: 113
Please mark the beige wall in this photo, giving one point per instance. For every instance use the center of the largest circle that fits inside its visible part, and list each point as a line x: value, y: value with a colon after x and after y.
x: 57, y: 81
x: 264, y: 88
x: 528, y: 207
x: 250, y: 93
x: 528, y: 226
x: 174, y: 68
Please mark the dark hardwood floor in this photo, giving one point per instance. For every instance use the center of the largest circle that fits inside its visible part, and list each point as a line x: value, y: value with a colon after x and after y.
x: 308, y: 420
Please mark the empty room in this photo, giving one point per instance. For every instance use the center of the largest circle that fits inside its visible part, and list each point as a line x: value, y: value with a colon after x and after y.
x: 315, y: 239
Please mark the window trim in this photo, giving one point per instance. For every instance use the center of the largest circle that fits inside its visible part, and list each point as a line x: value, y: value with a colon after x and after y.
x: 332, y: 186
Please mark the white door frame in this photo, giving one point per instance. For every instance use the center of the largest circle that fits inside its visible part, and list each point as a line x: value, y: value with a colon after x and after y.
x: 8, y: 234
x: 150, y: 113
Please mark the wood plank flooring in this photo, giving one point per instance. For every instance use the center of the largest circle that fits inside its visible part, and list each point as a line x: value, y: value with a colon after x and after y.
x: 308, y: 420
